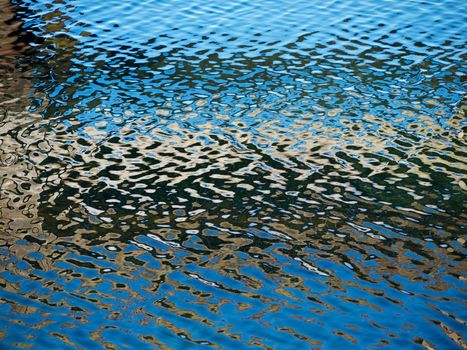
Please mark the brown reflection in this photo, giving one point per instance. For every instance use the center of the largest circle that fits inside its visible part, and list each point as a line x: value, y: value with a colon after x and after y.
x: 172, y: 157
x: 10, y: 48
x: 19, y: 189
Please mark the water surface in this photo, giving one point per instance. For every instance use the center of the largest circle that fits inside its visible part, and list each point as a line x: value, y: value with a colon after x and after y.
x: 232, y: 175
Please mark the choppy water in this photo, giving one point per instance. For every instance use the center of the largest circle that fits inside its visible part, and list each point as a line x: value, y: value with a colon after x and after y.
x: 232, y: 175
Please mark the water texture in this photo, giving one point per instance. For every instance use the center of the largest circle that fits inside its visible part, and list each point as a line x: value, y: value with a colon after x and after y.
x: 233, y: 174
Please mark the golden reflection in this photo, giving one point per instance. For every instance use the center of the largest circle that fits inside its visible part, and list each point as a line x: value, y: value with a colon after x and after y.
x: 20, y: 145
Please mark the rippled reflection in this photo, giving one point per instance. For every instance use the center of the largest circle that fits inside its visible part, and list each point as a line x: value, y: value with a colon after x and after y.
x: 273, y: 175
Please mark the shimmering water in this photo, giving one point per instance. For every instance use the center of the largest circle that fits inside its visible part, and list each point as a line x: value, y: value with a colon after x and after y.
x: 232, y: 175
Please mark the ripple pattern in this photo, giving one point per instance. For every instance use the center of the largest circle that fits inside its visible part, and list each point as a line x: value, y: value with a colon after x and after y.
x: 254, y: 175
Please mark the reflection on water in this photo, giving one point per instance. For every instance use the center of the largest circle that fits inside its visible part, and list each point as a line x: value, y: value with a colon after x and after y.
x: 264, y: 175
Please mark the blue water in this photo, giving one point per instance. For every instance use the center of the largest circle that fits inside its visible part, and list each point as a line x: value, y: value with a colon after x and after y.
x: 233, y: 175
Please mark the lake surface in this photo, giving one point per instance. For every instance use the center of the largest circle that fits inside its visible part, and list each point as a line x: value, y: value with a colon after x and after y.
x: 233, y: 175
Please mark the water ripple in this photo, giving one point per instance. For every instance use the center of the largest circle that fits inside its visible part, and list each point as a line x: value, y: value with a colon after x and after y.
x: 266, y: 174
